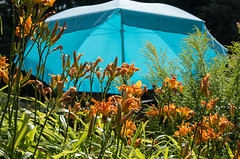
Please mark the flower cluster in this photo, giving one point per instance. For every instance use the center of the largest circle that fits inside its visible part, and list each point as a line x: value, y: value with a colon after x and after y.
x: 106, y: 109
x: 26, y: 25
x: 171, y: 111
x: 153, y: 112
x: 128, y: 69
x: 136, y: 89
x: 112, y: 71
x: 210, y: 128
x: 131, y: 95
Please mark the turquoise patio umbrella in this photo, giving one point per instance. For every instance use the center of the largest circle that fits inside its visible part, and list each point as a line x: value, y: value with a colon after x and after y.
x: 120, y: 28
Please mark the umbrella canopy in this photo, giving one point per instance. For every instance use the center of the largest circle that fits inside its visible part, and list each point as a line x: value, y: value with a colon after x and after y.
x: 120, y: 28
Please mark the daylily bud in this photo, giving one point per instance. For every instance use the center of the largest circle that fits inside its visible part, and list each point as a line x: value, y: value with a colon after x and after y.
x: 115, y: 64
x: 56, y: 38
x: 98, y: 75
x: 58, y: 47
x: 184, y: 151
x: 75, y: 58
x: 63, y: 62
x: 169, y: 116
x: 99, y: 59
x: 205, y: 84
x: 49, y: 14
x: 126, y: 117
x: 119, y: 114
x: 232, y: 109
x: 91, y: 126
x: 180, y: 142
x: 68, y: 61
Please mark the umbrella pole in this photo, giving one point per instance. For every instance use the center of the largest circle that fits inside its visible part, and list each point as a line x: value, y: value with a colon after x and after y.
x: 122, y: 39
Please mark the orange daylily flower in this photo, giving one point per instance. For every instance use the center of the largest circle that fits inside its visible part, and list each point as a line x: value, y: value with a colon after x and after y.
x: 154, y: 111
x: 171, y: 108
x: 3, y: 63
x: 50, y: 2
x: 105, y: 107
x: 27, y: 26
x: 213, y: 120
x: 184, y: 130
x: 137, y: 142
x: 211, y: 127
x: 135, y: 89
x: 128, y: 128
x: 129, y: 102
x: 185, y: 113
x: 173, y: 83
x: 4, y: 69
x: 211, y: 105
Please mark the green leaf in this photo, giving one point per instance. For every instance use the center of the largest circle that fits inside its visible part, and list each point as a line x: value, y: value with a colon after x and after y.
x: 63, y: 121
x: 53, y: 135
x: 175, y: 142
x: 66, y: 152
x: 166, y: 153
x: 1, y: 26
x: 138, y: 153
x: 229, y: 151
x: 26, y: 155
x: 25, y: 128
x: 4, y: 154
x: 3, y: 88
x: 136, y: 134
x: 61, y: 110
x: 160, y: 150
x: 83, y: 137
x: 33, y: 100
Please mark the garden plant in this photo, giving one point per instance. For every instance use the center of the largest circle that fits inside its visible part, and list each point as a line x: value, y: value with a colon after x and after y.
x: 194, y: 113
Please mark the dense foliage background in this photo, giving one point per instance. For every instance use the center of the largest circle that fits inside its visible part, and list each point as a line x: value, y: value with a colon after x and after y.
x: 220, y: 16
